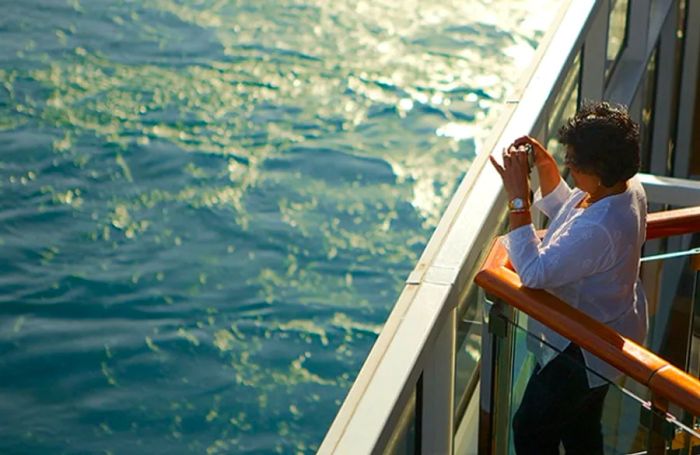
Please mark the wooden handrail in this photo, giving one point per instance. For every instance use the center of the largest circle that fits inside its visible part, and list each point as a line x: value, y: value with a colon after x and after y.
x: 498, y: 278
x: 673, y: 222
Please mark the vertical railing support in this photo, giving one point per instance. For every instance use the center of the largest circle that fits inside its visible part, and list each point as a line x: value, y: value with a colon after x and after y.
x: 658, y: 427
x: 488, y: 346
x: 438, y: 392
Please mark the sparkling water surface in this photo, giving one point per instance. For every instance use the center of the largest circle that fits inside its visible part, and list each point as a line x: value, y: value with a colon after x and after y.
x: 208, y: 207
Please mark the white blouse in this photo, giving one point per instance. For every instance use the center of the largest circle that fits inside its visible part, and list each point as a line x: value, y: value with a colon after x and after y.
x: 588, y: 258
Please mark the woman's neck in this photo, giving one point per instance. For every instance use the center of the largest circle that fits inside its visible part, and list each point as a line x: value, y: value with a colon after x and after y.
x: 604, y: 191
x: 601, y: 193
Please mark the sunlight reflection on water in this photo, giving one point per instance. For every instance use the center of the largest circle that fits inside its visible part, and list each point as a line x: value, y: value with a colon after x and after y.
x: 209, y: 207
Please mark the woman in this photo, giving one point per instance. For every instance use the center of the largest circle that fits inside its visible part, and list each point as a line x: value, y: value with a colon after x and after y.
x: 589, y: 258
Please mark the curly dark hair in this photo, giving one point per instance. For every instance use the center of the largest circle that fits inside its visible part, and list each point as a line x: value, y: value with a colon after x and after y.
x: 604, y: 141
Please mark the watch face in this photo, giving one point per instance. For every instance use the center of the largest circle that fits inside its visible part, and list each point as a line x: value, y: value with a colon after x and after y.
x: 517, y: 203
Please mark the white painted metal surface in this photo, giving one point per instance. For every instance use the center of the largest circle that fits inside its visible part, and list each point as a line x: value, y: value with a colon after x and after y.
x: 669, y: 190
x: 438, y: 378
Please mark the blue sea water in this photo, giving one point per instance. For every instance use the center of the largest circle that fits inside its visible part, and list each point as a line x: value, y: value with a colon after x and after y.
x: 208, y: 207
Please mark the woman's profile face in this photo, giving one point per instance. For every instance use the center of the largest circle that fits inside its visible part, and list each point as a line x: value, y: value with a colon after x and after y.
x: 584, y: 181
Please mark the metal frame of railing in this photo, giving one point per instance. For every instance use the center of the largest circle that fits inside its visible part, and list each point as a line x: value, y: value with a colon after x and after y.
x: 406, y: 385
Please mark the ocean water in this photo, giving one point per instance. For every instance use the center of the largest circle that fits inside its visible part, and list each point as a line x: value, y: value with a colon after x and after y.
x: 208, y: 207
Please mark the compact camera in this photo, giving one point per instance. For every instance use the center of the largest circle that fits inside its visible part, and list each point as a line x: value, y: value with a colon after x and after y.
x: 527, y: 148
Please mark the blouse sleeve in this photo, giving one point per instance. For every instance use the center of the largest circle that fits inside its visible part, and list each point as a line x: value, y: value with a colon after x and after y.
x: 552, y: 203
x: 582, y: 250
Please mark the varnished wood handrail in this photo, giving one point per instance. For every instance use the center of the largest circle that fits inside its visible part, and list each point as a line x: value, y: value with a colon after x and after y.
x: 498, y: 278
x: 673, y: 222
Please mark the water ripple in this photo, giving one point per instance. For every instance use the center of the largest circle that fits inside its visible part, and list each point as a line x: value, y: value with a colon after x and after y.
x: 207, y: 208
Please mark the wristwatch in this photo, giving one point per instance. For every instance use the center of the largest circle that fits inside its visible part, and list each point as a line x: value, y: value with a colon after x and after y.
x: 517, y: 204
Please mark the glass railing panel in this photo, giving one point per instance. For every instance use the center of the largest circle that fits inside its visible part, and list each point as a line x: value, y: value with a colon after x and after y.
x: 621, y: 428
x: 674, y: 297
x: 467, y: 353
x: 405, y: 438
x: 468, y: 339
x: 617, y: 33
x: 693, y: 363
x: 629, y: 424
x: 670, y: 283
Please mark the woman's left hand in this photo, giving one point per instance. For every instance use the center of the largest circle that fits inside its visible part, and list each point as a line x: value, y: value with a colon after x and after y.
x: 514, y: 172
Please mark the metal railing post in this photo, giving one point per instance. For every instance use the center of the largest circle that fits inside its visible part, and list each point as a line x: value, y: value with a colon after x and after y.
x: 486, y: 397
x: 658, y: 428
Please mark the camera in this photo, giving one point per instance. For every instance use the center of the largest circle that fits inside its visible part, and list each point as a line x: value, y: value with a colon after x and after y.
x: 527, y: 148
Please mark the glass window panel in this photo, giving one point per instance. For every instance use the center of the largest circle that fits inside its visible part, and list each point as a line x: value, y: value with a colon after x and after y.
x: 565, y: 106
x: 617, y: 32
x: 647, y: 123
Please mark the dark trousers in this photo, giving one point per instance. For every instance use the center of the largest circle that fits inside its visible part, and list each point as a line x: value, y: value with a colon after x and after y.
x: 559, y: 406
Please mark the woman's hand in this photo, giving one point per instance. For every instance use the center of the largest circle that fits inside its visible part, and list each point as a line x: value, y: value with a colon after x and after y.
x: 514, y: 173
x: 546, y: 166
